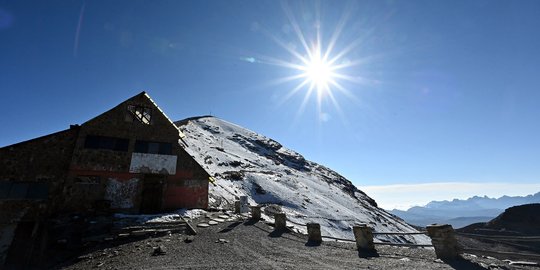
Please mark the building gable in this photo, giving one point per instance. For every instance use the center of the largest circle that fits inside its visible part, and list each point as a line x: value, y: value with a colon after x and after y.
x: 138, y: 114
x: 122, y: 147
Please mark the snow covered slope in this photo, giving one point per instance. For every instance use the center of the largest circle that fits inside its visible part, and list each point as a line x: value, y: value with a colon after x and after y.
x: 246, y: 163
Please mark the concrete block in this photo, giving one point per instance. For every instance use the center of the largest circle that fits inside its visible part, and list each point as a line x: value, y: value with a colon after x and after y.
x: 244, y: 206
x: 363, y: 235
x: 280, y: 222
x: 255, y: 212
x: 314, y: 232
x: 444, y: 241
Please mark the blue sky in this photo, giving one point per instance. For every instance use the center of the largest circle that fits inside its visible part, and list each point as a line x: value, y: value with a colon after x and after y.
x: 442, y: 91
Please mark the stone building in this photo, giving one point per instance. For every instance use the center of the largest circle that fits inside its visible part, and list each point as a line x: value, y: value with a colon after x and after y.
x: 130, y: 159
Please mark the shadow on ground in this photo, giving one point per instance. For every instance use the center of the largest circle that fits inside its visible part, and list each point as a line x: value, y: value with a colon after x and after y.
x: 278, y: 233
x: 365, y: 254
x: 463, y: 264
x: 251, y: 222
x: 230, y: 227
x: 313, y: 243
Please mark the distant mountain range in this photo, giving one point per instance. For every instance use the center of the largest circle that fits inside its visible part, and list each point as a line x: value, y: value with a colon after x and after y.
x: 460, y: 213
x: 516, y: 220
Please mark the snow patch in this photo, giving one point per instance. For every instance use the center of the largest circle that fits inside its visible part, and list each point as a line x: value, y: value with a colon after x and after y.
x: 163, y: 218
x: 245, y: 163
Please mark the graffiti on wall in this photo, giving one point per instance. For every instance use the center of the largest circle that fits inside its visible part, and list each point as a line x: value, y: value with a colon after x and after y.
x: 122, y: 193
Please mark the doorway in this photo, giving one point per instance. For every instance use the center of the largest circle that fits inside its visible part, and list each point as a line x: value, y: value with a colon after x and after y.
x: 152, y: 193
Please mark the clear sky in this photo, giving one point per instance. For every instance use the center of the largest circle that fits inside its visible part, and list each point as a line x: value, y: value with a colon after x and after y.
x: 425, y: 92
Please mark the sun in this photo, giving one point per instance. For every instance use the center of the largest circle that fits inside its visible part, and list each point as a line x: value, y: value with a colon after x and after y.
x: 321, y: 64
x: 318, y: 72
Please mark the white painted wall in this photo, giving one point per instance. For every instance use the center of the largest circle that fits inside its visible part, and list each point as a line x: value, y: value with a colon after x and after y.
x: 152, y: 163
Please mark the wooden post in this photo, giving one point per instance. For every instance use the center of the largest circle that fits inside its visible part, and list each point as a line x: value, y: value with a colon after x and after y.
x: 444, y: 241
x: 255, y: 212
x: 314, y: 232
x: 363, y: 236
x: 280, y: 222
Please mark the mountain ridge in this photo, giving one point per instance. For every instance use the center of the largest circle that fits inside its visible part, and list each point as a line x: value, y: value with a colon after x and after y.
x: 460, y: 212
x: 246, y: 163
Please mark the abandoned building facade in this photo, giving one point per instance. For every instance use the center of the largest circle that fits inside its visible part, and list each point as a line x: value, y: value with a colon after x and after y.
x: 130, y: 159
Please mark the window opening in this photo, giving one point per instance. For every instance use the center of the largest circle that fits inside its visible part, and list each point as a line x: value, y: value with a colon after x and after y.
x: 108, y: 143
x: 141, y: 113
x: 24, y: 190
x: 153, y: 147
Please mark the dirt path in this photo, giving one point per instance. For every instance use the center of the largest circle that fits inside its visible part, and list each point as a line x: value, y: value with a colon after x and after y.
x: 256, y: 246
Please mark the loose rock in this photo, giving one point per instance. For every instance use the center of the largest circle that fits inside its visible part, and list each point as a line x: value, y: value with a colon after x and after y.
x: 160, y: 250
x: 189, y: 239
x: 222, y: 241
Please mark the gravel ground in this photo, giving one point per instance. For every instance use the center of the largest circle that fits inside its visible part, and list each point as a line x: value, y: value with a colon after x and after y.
x: 246, y: 245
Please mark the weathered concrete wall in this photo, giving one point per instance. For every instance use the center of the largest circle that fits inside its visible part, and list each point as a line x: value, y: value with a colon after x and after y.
x: 153, y: 163
x: 123, y: 194
x: 45, y: 157
x: 100, y: 160
x: 185, y: 196
x: 38, y: 165
x: 188, y: 188
x: 84, y: 188
x: 41, y: 160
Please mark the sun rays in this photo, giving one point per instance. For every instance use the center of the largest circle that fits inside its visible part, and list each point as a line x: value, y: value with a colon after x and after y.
x: 319, y: 68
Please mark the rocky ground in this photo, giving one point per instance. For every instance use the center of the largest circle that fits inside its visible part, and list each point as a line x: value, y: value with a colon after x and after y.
x: 242, y: 244
x: 529, y: 250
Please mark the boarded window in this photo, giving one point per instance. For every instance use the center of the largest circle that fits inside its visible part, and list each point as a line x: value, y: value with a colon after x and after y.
x: 109, y: 143
x: 153, y: 147
x: 24, y: 191
x: 5, y: 187
x: 140, y: 113
x: 38, y: 191
x: 18, y: 191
